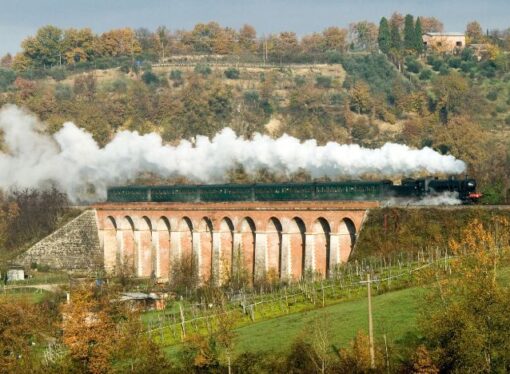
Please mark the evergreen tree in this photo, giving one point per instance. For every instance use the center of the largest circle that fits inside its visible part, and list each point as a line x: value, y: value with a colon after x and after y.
x: 409, y: 33
x: 418, y: 34
x: 396, y: 41
x: 384, y: 38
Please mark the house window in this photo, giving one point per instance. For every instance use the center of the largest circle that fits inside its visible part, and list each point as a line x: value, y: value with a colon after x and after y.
x: 439, y: 44
x: 458, y: 44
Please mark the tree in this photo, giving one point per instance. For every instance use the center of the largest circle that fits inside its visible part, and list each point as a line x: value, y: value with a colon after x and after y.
x: 397, y: 20
x: 451, y: 92
x: 431, y: 24
x: 396, y: 41
x: 384, y: 38
x: 360, y: 97
x: 119, y: 42
x: 409, y: 33
x: 418, y: 34
x: 474, y: 32
x: 334, y: 38
x: 247, y: 38
x: 286, y: 46
x: 163, y: 40
x: 45, y: 48
x: 466, y: 322
x: 22, y: 328
x: 78, y: 45
x: 364, y: 35
x: 89, y: 330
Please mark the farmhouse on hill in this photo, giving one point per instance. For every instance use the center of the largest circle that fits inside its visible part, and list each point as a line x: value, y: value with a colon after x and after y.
x: 444, y: 41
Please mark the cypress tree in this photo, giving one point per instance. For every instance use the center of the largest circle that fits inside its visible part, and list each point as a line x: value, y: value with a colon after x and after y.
x: 384, y: 38
x: 418, y: 34
x: 396, y: 41
x: 409, y: 33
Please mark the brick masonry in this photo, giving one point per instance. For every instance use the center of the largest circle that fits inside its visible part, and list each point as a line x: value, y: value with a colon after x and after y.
x: 283, y: 238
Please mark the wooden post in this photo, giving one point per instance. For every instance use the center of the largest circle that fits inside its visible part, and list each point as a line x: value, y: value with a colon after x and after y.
x: 183, y: 322
x: 370, y: 325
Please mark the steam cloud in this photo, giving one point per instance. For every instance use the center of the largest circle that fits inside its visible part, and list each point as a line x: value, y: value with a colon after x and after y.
x: 73, y: 161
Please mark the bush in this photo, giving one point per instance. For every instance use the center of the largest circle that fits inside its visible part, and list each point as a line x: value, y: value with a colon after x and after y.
x: 251, y: 97
x: 149, y: 78
x: 63, y: 92
x: 232, y: 73
x: 176, y: 75
x: 454, y: 62
x: 203, y: 70
x: 492, y: 95
x: 507, y: 120
x: 119, y: 85
x: 300, y: 80
x: 413, y: 65
x: 466, y: 67
x: 323, y: 81
x: 425, y: 74
x: 333, y: 57
x: 58, y: 73
x: 444, y: 70
x: 7, y: 77
x: 336, y: 98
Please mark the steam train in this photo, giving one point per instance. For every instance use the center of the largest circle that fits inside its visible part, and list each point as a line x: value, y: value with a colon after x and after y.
x: 463, y: 189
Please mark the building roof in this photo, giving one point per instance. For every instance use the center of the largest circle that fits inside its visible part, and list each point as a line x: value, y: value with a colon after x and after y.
x: 445, y: 33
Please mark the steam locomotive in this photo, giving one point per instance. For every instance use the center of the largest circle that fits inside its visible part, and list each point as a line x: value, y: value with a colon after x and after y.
x: 463, y: 189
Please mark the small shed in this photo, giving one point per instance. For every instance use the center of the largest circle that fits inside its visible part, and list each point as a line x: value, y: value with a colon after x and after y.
x: 15, y: 273
x: 147, y: 301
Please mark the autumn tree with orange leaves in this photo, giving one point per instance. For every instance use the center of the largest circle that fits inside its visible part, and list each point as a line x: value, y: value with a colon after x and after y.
x: 465, y: 318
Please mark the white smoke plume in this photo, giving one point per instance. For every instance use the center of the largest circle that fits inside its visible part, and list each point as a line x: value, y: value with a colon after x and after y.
x: 73, y: 161
x: 444, y: 198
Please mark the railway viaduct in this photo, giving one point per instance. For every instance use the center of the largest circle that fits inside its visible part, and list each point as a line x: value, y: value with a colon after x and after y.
x: 277, y: 239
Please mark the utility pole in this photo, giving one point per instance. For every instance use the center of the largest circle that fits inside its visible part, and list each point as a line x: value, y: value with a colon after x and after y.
x: 370, y: 325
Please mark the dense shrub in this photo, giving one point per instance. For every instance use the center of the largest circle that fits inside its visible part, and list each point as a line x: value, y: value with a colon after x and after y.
x: 150, y: 78
x: 176, y: 75
x: 323, y: 81
x: 333, y: 57
x: 232, y: 73
x: 203, y: 70
x: 63, y: 92
x: 413, y: 65
x: 58, y: 73
x: 375, y: 69
x: 492, y: 95
x: 251, y: 97
x: 299, y: 80
x: 7, y: 77
x: 454, y: 62
x: 425, y: 74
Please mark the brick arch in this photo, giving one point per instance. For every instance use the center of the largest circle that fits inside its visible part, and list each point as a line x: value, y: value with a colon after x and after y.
x: 145, y: 249
x: 274, y: 246
x: 226, y: 249
x: 163, y: 229
x: 128, y: 244
x: 321, y: 230
x: 205, y: 244
x: 185, y: 229
x: 347, y: 238
x: 296, y: 235
x: 247, y: 230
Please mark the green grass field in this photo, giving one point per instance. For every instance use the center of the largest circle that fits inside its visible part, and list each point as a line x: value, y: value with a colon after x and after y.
x: 394, y: 314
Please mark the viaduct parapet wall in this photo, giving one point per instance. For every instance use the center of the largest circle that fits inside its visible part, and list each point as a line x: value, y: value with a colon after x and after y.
x: 73, y: 247
x: 277, y: 239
